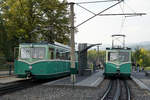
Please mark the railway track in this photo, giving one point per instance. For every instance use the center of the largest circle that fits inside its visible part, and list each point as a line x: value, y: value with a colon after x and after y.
x: 117, y: 90
x: 23, y: 84
x: 20, y: 85
x: 15, y: 86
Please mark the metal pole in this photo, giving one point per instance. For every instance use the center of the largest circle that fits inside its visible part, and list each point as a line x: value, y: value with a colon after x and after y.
x: 98, y: 56
x: 73, y: 77
x: 10, y: 66
x: 124, y: 42
x: 112, y: 43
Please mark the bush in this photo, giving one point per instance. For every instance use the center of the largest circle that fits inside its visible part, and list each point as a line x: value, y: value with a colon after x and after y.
x: 2, y: 60
x: 147, y: 68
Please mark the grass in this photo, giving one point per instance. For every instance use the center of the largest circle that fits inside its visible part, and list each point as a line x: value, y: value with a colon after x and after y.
x: 147, y: 68
x: 4, y: 67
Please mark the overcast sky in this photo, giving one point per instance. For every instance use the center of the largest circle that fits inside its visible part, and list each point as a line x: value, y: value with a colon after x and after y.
x: 100, y: 29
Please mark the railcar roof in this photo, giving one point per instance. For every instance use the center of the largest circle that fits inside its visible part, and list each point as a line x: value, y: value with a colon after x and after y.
x: 118, y: 48
x: 55, y: 44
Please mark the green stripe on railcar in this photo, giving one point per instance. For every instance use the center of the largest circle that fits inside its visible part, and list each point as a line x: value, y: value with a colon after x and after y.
x: 110, y: 68
x: 125, y: 69
x: 43, y: 69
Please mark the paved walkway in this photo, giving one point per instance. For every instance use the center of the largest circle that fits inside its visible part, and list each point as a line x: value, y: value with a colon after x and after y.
x: 91, y: 81
x: 5, y: 73
x: 94, y: 80
x: 6, y: 80
x: 142, y: 80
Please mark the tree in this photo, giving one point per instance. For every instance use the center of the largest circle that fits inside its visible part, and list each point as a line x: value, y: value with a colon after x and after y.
x: 93, y: 56
x: 5, y: 43
x: 56, y: 17
x: 141, y: 57
x: 30, y: 21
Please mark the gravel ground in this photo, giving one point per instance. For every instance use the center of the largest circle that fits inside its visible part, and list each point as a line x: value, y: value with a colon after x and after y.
x: 137, y: 93
x: 58, y: 92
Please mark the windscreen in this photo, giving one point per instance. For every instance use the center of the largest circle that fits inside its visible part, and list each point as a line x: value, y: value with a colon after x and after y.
x: 36, y: 52
x: 118, y: 56
x: 25, y: 53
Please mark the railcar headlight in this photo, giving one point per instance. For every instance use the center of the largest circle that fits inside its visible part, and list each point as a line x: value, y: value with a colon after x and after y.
x: 117, y: 66
x: 30, y: 67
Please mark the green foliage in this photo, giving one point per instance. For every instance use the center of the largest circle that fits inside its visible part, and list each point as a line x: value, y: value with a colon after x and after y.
x: 55, y: 17
x: 29, y: 21
x: 141, y: 57
x: 93, y: 56
x: 147, y: 68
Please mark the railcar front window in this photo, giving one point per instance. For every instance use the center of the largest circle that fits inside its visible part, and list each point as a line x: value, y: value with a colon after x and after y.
x: 123, y: 56
x: 113, y: 56
x: 25, y: 53
x: 37, y: 52
x: 118, y: 56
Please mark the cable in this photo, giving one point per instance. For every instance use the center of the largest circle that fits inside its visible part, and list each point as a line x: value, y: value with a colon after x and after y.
x: 96, y: 1
x: 122, y: 9
x: 122, y: 24
x: 98, y: 13
x: 130, y: 7
x: 118, y: 39
x: 86, y: 9
x: 123, y: 18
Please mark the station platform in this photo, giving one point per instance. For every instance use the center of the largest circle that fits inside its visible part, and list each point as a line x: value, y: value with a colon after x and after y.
x: 6, y: 77
x: 141, y: 79
x: 90, y: 81
x: 7, y: 80
x: 2, y: 73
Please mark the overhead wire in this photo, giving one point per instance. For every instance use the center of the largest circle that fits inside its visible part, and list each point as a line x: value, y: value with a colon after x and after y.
x: 123, y: 18
x: 130, y: 7
x: 86, y: 9
x: 118, y: 39
x: 122, y: 24
x: 95, y: 1
x: 99, y: 13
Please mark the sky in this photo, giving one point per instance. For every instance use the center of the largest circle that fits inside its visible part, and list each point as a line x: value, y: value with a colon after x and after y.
x: 100, y: 28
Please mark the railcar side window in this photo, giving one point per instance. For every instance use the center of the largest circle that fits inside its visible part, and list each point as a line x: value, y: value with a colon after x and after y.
x: 57, y: 54
x: 51, y: 50
x: 68, y: 56
x: 64, y: 56
x: 38, y: 52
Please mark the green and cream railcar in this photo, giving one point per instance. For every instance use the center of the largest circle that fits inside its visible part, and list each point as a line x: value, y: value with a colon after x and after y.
x: 43, y: 60
x: 118, y: 62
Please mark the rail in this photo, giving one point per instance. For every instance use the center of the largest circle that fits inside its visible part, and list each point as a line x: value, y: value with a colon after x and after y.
x: 128, y: 91
x: 108, y: 90
x: 117, y: 93
x: 20, y: 85
x: 113, y: 91
x: 12, y: 87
